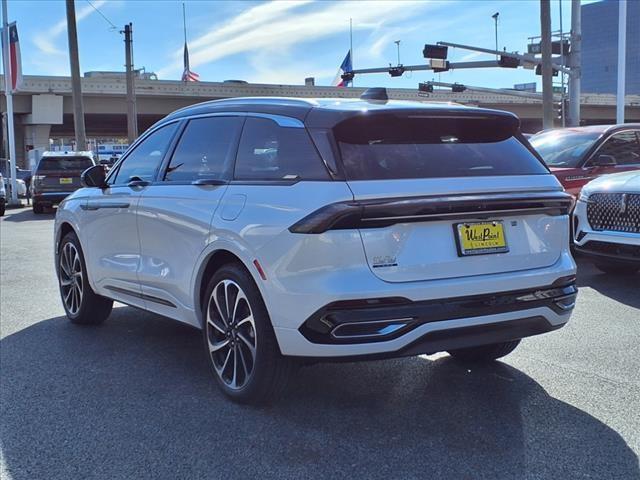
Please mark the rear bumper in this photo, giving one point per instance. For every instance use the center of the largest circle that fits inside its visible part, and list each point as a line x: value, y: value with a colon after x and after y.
x: 431, y: 326
x: 49, y: 198
x: 378, y: 320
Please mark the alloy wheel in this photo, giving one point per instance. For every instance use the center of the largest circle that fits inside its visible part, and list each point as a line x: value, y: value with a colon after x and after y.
x: 231, y: 334
x: 70, y: 274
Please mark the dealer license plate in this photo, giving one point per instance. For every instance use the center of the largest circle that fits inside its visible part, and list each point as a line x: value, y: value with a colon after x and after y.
x: 481, y: 238
x: 66, y: 181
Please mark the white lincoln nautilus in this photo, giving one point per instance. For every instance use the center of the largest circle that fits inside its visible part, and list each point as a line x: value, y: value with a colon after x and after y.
x: 325, y: 229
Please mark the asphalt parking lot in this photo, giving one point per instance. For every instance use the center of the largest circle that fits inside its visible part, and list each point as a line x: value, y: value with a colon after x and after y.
x: 133, y: 398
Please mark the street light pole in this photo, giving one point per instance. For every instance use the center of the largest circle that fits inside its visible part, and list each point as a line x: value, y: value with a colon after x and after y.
x: 547, y: 69
x: 495, y: 18
x: 9, y: 96
x: 622, y: 47
x: 574, y: 64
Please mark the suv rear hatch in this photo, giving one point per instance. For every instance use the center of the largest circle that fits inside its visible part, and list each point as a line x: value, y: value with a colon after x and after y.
x: 453, y: 195
x: 61, y: 174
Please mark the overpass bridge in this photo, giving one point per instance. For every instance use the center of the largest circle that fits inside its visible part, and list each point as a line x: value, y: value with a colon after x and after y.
x: 43, y: 108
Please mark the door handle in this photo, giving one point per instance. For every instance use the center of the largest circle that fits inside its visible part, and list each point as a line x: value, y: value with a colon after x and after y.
x: 137, y: 182
x: 99, y: 205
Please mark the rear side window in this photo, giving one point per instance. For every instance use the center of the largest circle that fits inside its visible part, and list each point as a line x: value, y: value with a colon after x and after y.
x: 395, y: 147
x: 205, y: 149
x: 268, y: 151
x: 48, y: 164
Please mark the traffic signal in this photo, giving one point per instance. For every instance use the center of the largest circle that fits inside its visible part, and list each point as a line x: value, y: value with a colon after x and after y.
x: 539, y: 71
x: 425, y: 87
x: 396, y: 71
x: 508, y: 62
x: 347, y: 76
x: 435, y: 51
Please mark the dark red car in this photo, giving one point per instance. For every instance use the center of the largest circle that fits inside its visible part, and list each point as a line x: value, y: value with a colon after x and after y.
x: 578, y: 155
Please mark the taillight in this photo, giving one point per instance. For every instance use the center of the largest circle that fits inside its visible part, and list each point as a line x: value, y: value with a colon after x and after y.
x: 37, y: 179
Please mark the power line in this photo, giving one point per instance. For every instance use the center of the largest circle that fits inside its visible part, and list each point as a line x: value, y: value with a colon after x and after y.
x: 113, y: 27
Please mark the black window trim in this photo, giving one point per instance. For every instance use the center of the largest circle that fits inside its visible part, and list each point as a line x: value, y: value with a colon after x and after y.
x: 604, y: 139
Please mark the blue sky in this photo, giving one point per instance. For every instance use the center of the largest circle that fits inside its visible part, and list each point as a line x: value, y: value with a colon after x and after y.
x: 279, y: 42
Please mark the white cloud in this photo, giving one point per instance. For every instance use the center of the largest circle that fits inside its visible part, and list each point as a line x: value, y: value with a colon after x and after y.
x: 278, y: 26
x: 46, y: 41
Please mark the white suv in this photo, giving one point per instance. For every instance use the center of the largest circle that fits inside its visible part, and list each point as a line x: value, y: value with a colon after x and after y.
x: 289, y: 228
x: 607, y: 222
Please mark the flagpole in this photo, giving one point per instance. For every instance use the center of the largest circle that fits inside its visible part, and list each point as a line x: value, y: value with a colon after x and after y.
x: 184, y: 22
x: 351, y: 46
x: 9, y: 95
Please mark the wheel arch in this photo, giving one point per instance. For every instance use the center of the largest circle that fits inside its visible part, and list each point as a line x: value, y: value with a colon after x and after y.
x: 212, y: 262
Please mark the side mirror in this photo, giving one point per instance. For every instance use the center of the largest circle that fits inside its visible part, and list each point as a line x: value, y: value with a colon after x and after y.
x: 604, y: 161
x: 94, y: 177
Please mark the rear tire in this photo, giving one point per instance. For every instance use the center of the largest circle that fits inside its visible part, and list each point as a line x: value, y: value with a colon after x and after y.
x: 81, y: 304
x: 2, y: 209
x: 617, y: 268
x: 484, y: 353
x: 239, y: 341
x: 37, y: 208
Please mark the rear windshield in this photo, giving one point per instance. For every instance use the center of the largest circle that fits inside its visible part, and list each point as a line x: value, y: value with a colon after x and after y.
x: 393, y: 147
x: 64, y: 163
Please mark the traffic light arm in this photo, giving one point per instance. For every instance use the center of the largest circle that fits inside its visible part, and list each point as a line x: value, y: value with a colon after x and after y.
x: 524, y: 58
x: 413, y: 68
x: 497, y: 91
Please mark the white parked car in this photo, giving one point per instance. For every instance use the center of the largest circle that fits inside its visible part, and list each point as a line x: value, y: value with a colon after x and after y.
x: 3, y: 196
x: 293, y: 228
x: 21, y: 187
x: 607, y: 222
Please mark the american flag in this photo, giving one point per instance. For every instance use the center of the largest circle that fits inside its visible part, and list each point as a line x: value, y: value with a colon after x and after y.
x: 188, y: 75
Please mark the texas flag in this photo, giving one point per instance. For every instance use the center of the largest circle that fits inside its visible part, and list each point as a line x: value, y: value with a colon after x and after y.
x: 14, y: 79
x: 345, y: 67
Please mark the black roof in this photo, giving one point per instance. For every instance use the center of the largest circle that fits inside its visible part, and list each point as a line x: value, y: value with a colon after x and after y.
x: 328, y: 112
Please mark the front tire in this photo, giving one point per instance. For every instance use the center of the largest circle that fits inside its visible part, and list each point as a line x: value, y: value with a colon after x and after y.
x: 239, y: 341
x: 484, y: 353
x: 615, y: 268
x: 81, y: 304
x: 37, y: 208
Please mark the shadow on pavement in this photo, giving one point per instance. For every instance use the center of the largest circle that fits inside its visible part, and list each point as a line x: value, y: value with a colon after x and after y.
x: 27, y: 215
x: 622, y: 288
x: 134, y: 399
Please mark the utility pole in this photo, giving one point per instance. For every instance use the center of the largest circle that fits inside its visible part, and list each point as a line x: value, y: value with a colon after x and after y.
x: 575, y: 61
x: 132, y: 114
x: 622, y: 53
x: 76, y: 87
x: 9, y: 96
x: 547, y: 69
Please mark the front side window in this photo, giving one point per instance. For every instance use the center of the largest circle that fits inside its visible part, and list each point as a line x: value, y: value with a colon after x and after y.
x: 268, y: 151
x: 623, y: 147
x: 388, y: 146
x: 564, y: 148
x: 143, y: 162
x: 205, y: 149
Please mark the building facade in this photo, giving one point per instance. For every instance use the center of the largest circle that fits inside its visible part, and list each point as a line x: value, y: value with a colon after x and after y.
x: 600, y: 47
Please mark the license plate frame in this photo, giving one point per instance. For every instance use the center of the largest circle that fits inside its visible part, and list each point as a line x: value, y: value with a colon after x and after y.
x: 463, y: 247
x: 66, y: 180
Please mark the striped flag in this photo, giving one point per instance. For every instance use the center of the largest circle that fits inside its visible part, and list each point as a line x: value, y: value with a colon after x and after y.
x: 344, y: 67
x: 15, y: 61
x: 188, y: 75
